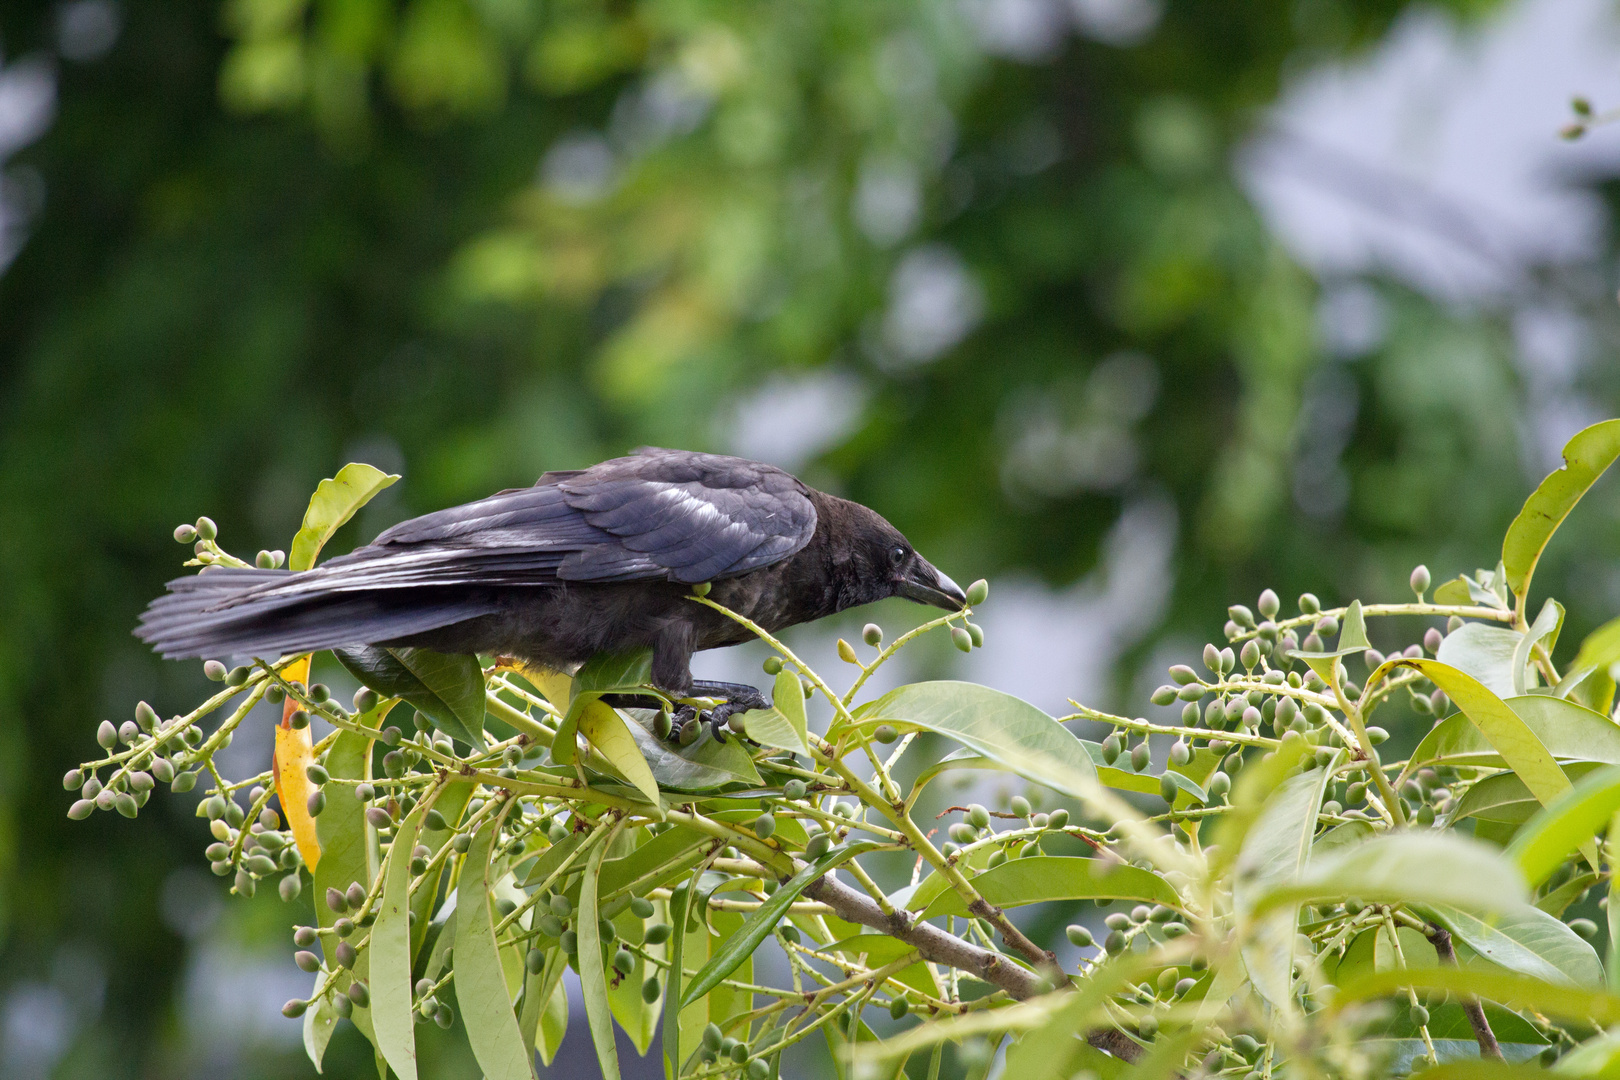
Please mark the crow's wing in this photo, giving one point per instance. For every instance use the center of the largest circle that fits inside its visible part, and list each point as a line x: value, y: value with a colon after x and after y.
x: 662, y: 514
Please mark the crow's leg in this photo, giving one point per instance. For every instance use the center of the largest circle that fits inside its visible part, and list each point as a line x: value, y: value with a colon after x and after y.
x: 742, y: 695
x: 738, y: 698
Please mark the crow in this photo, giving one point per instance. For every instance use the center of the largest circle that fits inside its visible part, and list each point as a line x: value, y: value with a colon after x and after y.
x: 585, y: 562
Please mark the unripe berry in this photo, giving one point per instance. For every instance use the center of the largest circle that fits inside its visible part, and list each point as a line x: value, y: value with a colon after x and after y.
x: 872, y: 634
x: 1419, y: 580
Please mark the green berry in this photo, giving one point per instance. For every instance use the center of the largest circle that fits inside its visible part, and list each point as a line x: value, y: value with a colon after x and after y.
x: 560, y: 906
x: 641, y: 907
x: 1079, y: 936
x: 206, y: 529
x: 1167, y: 788
x: 1020, y: 806
x: 978, y: 592
x: 658, y: 933
x: 359, y: 994
x: 1180, y: 754
x: 81, y: 809
x: 185, y: 534
x: 1140, y: 758
x: 650, y: 990
x: 885, y: 734
x: 978, y: 816
x: 107, y: 735
x: 624, y: 962
x: 872, y: 634
x: 961, y: 639
x: 795, y: 790
x: 214, y: 671
x: 773, y: 665
x: 712, y: 1037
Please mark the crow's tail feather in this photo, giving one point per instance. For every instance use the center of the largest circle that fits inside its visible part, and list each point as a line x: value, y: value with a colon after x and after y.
x: 244, y: 612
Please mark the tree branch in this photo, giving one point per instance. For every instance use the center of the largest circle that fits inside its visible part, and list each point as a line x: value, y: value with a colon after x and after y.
x: 942, y: 948
x: 1488, y: 1047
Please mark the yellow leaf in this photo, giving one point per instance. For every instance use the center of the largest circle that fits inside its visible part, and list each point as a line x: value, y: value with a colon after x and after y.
x: 554, y: 684
x: 605, y: 729
x: 295, y: 753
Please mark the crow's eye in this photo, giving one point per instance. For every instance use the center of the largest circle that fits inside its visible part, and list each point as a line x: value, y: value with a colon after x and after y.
x: 897, y: 555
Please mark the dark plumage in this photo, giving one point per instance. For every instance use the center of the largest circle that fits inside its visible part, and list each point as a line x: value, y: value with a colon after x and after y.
x: 591, y: 561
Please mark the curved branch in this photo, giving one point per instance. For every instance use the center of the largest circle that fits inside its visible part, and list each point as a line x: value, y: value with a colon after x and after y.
x: 943, y: 948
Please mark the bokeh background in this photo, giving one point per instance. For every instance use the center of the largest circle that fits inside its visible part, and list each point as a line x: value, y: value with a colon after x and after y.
x: 1133, y: 306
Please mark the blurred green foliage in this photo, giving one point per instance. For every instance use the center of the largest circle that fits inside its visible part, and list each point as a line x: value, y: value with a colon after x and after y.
x: 476, y: 239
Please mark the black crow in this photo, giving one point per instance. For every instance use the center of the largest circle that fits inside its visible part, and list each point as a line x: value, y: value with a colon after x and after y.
x: 589, y: 561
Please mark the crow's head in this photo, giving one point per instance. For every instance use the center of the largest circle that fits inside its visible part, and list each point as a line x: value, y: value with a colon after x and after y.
x: 874, y: 561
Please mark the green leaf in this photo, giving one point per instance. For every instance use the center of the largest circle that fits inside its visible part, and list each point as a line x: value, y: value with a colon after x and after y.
x: 705, y: 765
x: 480, y: 982
x: 787, y: 698
x: 1586, y: 456
x: 655, y: 863
x: 1569, y: 731
x: 879, y: 949
x: 1486, y: 653
x: 320, y: 1020
x: 759, y: 923
x: 1041, y: 878
x: 1427, y: 867
x: 638, y: 1018
x: 606, y: 730
x: 770, y: 727
x: 1526, y: 940
x: 678, y: 905
x: 390, y: 950
x: 551, y: 858
x: 996, y: 725
x: 592, y: 979
x: 606, y: 673
x: 348, y: 846
x: 1601, y: 647
x: 1515, y: 991
x: 1566, y: 824
x: 1276, y: 848
x: 1341, y: 837
x: 335, y: 501
x: 1504, y: 798
x: 1544, y: 629
x: 554, y: 1013
x: 446, y: 688
x: 451, y: 801
x: 1598, y: 1056
x: 1506, y: 731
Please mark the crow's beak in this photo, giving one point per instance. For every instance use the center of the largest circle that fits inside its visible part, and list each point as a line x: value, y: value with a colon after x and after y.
x: 925, y: 585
